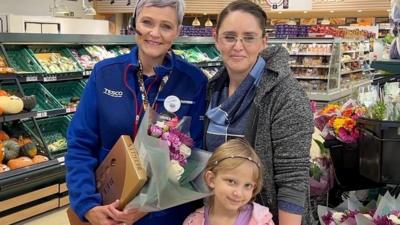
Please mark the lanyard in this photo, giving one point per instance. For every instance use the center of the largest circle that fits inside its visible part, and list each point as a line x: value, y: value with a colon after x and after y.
x: 142, y: 88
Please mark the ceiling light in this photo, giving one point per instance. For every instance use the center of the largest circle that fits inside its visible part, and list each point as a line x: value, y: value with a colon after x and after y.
x: 208, y: 23
x: 196, y: 22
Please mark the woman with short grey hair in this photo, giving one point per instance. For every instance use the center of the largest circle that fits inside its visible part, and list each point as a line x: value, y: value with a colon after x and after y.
x: 179, y: 5
x: 116, y: 96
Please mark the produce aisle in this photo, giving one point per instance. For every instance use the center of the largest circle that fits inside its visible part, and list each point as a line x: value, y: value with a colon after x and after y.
x: 47, y: 74
x: 55, y: 71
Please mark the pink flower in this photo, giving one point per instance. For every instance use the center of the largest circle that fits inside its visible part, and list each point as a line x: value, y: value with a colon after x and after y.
x: 345, y: 136
x: 155, y: 131
x: 172, y: 123
x: 313, y: 105
x: 184, y: 138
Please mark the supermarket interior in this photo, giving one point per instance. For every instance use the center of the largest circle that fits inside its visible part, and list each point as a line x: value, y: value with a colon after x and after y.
x: 345, y: 54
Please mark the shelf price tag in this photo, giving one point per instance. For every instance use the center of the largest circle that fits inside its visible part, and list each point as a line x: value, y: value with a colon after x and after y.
x: 70, y: 109
x: 50, y: 78
x: 87, y: 72
x: 41, y: 114
x: 31, y: 78
x: 61, y: 159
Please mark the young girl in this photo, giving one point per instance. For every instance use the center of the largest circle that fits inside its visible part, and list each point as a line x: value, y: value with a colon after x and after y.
x: 234, y: 174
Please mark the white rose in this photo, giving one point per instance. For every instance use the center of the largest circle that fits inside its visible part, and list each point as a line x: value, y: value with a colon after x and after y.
x: 368, y: 216
x: 185, y: 150
x: 394, y: 219
x: 337, y: 216
x: 175, y: 171
x: 162, y: 125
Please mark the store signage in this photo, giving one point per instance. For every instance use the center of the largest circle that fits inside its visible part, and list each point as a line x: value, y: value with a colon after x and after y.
x: 290, y: 5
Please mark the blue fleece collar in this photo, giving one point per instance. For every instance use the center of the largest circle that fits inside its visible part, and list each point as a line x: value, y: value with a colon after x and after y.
x: 160, y: 70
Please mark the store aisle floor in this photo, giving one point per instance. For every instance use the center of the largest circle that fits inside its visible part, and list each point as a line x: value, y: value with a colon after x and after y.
x: 53, y: 217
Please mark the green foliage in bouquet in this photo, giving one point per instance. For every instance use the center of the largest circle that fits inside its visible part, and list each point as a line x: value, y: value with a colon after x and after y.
x: 378, y: 110
x: 315, y: 171
x: 324, y: 151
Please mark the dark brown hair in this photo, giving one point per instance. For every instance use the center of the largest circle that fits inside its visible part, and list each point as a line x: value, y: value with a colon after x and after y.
x: 247, y: 7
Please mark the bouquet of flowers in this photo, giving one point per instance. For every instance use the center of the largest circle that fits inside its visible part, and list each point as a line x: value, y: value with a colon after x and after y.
x: 174, y: 169
x: 339, y: 122
x: 321, y: 171
x: 352, y: 212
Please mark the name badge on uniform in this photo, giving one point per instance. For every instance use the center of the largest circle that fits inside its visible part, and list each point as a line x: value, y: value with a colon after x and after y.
x: 172, y: 103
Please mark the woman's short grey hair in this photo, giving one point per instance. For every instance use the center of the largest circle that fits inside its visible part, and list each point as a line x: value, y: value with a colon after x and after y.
x: 179, y: 5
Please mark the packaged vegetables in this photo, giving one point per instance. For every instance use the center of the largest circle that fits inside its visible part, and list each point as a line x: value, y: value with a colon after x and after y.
x: 56, y: 63
x: 4, y: 67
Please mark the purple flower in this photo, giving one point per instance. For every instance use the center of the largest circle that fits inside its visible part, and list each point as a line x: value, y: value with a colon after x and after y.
x: 327, y: 219
x: 155, y: 131
x: 383, y: 220
x: 182, y: 160
x: 184, y: 138
x: 165, y: 136
x: 345, y: 136
x: 350, y: 217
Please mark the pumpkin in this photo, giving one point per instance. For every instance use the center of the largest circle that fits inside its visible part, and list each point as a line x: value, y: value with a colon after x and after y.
x: 39, y: 159
x: 28, y: 149
x: 3, y: 93
x: 29, y: 102
x: 11, y: 149
x: 23, y: 140
x: 3, y: 135
x: 19, y: 162
x: 11, y: 104
x: 4, y: 168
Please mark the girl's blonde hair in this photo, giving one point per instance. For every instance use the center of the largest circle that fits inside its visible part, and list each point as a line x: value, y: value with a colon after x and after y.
x: 232, y: 154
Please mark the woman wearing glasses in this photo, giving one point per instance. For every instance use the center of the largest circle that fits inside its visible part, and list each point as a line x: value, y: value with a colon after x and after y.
x: 254, y: 96
x: 118, y: 92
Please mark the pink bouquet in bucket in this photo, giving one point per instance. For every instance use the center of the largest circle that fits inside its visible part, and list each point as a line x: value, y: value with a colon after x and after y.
x: 335, y: 121
x: 353, y: 212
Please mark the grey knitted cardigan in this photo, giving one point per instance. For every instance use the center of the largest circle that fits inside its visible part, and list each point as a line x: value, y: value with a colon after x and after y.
x: 280, y: 130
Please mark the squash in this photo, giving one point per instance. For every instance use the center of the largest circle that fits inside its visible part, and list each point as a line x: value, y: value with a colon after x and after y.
x: 3, y: 135
x: 39, y: 159
x: 29, y: 102
x: 4, y: 168
x: 11, y: 104
x: 29, y: 150
x: 19, y: 162
x: 3, y: 93
x: 11, y: 149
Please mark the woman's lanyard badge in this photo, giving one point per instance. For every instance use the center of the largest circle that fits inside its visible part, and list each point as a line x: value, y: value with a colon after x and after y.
x: 171, y: 103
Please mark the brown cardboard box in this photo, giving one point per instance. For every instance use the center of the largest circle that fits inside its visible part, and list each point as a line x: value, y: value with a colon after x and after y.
x: 120, y: 176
